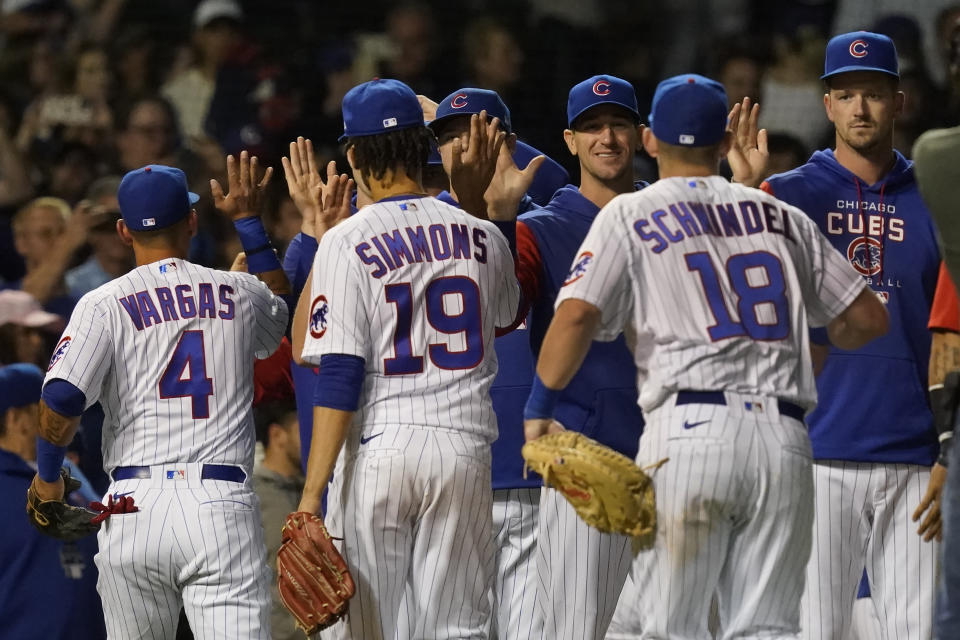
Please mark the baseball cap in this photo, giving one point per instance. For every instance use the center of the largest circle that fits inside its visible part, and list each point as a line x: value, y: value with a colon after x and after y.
x: 468, y: 101
x: 20, y: 385
x: 860, y: 51
x: 210, y: 10
x: 601, y: 90
x: 689, y: 110
x: 154, y: 197
x: 21, y: 308
x: 380, y: 106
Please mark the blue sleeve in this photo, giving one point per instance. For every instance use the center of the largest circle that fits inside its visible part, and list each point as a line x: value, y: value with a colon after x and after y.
x: 64, y: 398
x: 509, y: 230
x: 339, y: 382
x: 298, y: 260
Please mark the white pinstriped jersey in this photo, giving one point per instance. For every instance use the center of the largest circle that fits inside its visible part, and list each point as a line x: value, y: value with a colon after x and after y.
x: 716, y: 285
x: 416, y: 287
x: 168, y: 351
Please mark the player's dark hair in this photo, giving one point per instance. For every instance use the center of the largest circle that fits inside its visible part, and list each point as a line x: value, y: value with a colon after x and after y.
x: 893, y: 81
x: 277, y: 412
x: 406, y: 150
x: 166, y: 236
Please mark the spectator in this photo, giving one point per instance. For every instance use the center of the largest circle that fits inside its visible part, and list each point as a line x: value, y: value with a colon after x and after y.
x: 493, y: 56
x: 111, y: 258
x: 48, y: 236
x: 27, y: 332
x: 278, y: 482
x: 73, y: 169
x: 786, y: 153
x: 36, y: 570
x: 411, y: 33
x: 740, y: 71
x: 216, y: 34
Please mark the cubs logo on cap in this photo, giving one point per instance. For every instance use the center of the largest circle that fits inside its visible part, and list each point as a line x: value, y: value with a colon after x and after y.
x: 860, y: 51
x: 601, y: 90
x: 468, y: 101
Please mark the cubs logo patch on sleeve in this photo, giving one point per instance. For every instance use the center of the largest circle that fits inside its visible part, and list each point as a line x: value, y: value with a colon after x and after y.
x: 318, y: 317
x: 579, y: 268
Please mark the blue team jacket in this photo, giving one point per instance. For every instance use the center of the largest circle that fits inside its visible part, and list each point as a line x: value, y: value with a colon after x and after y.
x: 872, y: 401
x: 601, y: 400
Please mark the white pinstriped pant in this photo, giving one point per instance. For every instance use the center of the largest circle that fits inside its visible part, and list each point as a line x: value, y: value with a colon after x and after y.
x: 734, y: 503
x: 515, y: 519
x: 862, y: 519
x: 581, y: 572
x: 414, y: 508
x: 195, y: 542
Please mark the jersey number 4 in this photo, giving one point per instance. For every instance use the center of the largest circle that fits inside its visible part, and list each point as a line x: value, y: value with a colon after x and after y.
x: 767, y: 291
x: 467, y: 322
x: 196, y: 385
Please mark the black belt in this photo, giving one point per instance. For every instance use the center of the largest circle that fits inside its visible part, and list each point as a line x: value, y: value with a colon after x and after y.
x: 785, y: 407
x: 229, y: 473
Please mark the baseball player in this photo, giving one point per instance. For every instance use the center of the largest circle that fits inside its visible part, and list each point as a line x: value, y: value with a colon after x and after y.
x: 872, y: 433
x: 516, y: 498
x: 581, y: 570
x: 935, y: 155
x: 405, y: 298
x: 716, y: 284
x: 168, y: 350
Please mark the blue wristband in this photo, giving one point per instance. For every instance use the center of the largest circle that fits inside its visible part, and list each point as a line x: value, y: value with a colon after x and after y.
x: 542, y: 401
x: 256, y: 244
x: 49, y: 460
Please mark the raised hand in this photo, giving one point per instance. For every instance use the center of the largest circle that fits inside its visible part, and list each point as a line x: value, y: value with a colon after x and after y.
x: 245, y: 190
x: 475, y: 161
x: 748, y: 156
x: 334, y: 200
x: 508, y: 185
x: 429, y: 108
x: 303, y: 181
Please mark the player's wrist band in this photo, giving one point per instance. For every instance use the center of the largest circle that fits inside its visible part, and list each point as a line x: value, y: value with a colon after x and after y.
x: 49, y: 460
x: 256, y: 244
x: 946, y: 443
x: 542, y: 401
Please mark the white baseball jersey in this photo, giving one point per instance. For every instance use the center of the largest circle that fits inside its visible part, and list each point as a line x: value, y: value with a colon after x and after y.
x: 715, y: 284
x: 168, y: 351
x: 416, y: 287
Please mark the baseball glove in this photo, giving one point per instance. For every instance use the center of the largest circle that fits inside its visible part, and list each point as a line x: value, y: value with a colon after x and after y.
x: 312, y: 576
x: 58, y: 519
x: 606, y: 488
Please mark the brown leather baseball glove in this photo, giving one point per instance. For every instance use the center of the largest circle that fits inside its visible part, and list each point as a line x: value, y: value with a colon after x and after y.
x: 607, y: 489
x: 312, y: 576
x: 58, y: 519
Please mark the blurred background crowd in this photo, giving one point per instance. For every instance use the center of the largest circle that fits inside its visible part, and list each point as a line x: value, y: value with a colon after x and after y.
x: 90, y: 89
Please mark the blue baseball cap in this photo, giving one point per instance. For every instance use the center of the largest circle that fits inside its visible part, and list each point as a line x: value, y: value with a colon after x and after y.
x: 689, y: 111
x: 20, y: 385
x: 601, y: 90
x: 860, y: 51
x: 380, y: 106
x: 154, y: 197
x: 468, y: 101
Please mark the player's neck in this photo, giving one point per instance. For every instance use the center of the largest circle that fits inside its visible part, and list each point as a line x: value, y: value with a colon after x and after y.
x: 149, y: 255
x: 869, y: 166
x: 20, y: 447
x: 394, y: 184
x: 600, y: 192
x: 673, y: 168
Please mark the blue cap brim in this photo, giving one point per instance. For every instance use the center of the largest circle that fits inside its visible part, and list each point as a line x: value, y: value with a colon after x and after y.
x: 193, y: 197
x: 853, y: 67
x: 616, y: 103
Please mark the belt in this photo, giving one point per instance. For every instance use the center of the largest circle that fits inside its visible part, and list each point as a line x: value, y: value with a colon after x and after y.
x: 785, y: 407
x: 208, y: 472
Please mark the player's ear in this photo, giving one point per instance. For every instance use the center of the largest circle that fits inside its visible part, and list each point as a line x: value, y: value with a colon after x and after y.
x: 640, y: 129
x: 351, y: 159
x: 828, y: 106
x: 568, y: 137
x: 124, y: 232
x: 898, y: 100
x: 194, y: 222
x: 650, y: 142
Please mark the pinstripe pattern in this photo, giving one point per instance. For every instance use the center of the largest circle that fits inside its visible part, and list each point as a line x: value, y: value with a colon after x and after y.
x: 515, y: 523
x: 110, y: 360
x: 363, y: 323
x: 580, y: 571
x: 663, y: 303
x: 864, y: 623
x: 733, y: 507
x: 862, y: 519
x: 414, y: 508
x: 196, y: 544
